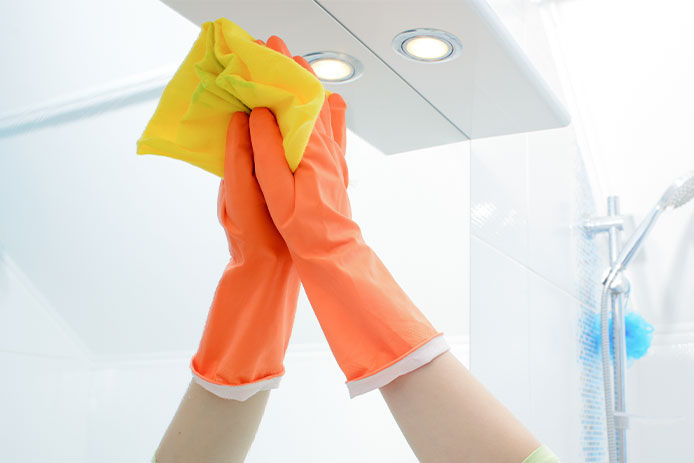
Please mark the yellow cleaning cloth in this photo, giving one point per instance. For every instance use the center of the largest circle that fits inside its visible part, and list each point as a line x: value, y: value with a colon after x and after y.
x: 227, y: 71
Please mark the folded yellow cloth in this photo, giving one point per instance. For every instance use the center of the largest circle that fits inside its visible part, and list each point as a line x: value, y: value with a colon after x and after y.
x: 227, y: 71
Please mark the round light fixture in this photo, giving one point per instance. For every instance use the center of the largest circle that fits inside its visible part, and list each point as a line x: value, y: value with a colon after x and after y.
x: 427, y: 45
x: 334, y: 67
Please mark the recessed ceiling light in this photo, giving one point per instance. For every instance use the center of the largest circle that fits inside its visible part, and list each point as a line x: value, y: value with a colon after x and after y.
x: 429, y: 48
x: 427, y: 45
x: 334, y: 67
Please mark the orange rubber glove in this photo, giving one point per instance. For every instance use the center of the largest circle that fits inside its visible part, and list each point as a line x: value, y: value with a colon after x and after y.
x: 250, y: 321
x: 374, y: 330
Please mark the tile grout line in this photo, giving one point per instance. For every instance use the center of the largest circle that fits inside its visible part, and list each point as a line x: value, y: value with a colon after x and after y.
x: 663, y: 332
x: 83, y: 350
x: 525, y: 267
x: 527, y: 246
x: 72, y: 358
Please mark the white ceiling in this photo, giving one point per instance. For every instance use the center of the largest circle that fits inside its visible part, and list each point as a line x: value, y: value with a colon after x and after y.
x: 398, y: 104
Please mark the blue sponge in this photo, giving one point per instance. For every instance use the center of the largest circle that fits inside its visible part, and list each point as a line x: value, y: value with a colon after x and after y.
x: 638, y: 332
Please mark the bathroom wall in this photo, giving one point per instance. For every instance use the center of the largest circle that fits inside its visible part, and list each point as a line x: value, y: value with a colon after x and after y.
x: 630, y: 79
x: 110, y: 260
x: 533, y: 287
x: 45, y: 382
x: 534, y: 273
x: 624, y: 69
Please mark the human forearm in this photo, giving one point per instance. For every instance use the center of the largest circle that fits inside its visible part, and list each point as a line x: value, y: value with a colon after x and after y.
x: 448, y: 416
x: 210, y: 429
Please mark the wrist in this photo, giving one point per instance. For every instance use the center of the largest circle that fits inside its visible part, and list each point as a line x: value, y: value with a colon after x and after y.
x: 329, y: 251
x: 262, y: 252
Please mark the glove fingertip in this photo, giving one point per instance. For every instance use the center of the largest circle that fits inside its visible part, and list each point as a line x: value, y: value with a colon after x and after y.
x: 337, y: 102
x: 305, y: 64
x: 278, y: 45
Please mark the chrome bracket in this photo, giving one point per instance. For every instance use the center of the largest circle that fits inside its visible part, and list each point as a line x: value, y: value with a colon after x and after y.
x: 604, y: 224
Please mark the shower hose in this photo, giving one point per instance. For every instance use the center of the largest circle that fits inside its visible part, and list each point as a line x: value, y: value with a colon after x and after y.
x: 607, y: 372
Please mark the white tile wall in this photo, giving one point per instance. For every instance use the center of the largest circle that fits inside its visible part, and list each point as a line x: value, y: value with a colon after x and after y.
x: 529, y: 195
x: 499, y: 327
x: 524, y: 346
x: 553, y: 165
x: 44, y: 387
x: 498, y: 191
x: 554, y: 370
x: 28, y: 324
x: 44, y: 408
x: 659, y: 386
x: 531, y: 283
x: 616, y: 101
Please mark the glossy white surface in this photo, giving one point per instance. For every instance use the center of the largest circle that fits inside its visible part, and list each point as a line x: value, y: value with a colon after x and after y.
x: 524, y: 345
x: 28, y: 323
x: 499, y: 328
x: 660, y: 387
x: 633, y: 97
x: 523, y: 200
x: 45, y: 403
x: 498, y: 194
x: 638, y: 130
x: 528, y: 268
x: 554, y: 170
x: 490, y: 89
x: 555, y: 379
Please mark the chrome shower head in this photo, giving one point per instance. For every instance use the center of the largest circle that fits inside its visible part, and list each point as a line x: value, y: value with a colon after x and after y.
x: 679, y: 193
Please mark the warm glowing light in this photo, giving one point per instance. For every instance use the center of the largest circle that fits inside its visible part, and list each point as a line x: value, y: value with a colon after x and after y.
x: 427, y: 48
x: 332, y: 69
